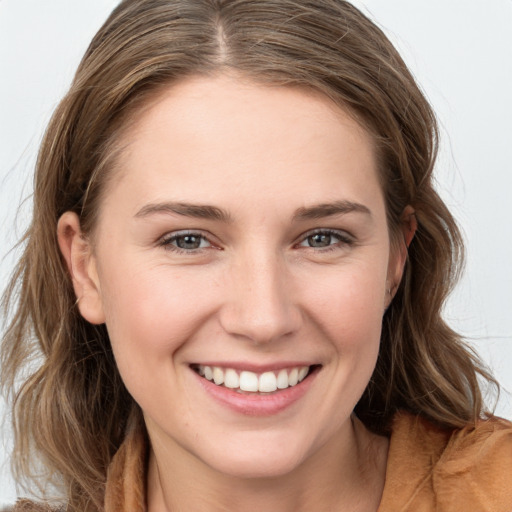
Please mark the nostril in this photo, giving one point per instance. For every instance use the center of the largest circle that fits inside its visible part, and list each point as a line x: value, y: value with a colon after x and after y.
x: 258, y: 327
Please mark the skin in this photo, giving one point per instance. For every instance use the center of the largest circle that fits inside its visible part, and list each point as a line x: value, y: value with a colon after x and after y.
x: 257, y: 292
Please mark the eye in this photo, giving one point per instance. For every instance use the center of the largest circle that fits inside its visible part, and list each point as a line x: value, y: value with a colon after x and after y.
x: 187, y: 241
x: 326, y: 238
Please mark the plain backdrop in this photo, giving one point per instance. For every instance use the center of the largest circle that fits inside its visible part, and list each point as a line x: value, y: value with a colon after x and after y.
x: 459, y: 50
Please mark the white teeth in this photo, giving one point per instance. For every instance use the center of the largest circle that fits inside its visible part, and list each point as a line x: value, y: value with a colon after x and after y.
x: 248, y: 381
x: 218, y: 376
x: 282, y: 379
x: 293, y: 378
x: 302, y: 373
x: 231, y: 379
x: 267, y: 382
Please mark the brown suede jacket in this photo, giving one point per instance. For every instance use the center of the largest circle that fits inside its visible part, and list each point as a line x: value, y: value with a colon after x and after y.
x: 428, y: 470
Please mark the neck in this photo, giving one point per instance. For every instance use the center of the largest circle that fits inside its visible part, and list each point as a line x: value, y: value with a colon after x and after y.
x: 345, y: 474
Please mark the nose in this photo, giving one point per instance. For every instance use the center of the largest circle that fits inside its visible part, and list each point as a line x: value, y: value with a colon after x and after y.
x: 260, y: 304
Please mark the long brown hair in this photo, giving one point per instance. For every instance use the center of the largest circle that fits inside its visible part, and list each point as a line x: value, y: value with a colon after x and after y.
x: 72, y: 407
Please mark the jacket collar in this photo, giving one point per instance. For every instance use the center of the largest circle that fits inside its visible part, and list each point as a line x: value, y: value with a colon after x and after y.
x: 126, y: 477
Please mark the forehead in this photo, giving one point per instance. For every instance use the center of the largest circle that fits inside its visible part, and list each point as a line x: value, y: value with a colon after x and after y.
x: 215, y: 135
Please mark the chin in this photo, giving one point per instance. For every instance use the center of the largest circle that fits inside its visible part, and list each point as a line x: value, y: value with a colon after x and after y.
x: 256, y: 460
x: 257, y: 469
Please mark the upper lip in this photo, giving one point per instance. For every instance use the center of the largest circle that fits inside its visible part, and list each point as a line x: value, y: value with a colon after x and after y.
x: 254, y: 367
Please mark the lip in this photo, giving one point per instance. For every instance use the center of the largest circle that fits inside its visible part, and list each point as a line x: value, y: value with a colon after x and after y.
x: 256, y: 368
x: 257, y: 404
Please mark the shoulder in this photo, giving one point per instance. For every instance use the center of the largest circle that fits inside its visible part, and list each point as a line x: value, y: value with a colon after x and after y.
x: 477, y: 460
x: 462, y: 469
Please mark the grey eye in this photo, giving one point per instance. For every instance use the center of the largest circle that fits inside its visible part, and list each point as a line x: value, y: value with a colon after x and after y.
x: 320, y: 240
x: 326, y: 239
x: 188, y: 241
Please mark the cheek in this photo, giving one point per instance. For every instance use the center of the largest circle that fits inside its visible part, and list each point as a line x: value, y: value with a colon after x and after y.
x: 349, y: 304
x: 150, y: 314
x: 346, y: 310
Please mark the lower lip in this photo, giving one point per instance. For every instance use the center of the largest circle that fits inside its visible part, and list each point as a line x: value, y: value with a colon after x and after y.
x: 257, y: 404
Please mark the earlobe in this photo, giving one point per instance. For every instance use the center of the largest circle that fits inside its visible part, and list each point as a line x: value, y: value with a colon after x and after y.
x: 77, y: 253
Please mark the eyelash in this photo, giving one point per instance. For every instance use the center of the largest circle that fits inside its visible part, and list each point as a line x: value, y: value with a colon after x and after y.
x: 167, y: 242
x: 343, y: 239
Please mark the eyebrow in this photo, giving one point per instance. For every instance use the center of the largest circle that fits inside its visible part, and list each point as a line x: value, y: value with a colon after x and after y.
x: 330, y: 209
x: 214, y: 213
x: 187, y: 210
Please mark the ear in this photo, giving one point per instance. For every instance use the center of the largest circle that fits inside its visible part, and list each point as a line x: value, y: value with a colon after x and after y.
x: 81, y: 263
x: 398, y: 257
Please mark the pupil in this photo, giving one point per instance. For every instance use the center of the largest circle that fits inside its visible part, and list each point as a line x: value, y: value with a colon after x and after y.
x: 319, y: 240
x: 188, y: 242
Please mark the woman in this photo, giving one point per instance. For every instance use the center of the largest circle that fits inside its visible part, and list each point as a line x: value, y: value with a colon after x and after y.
x: 235, y: 274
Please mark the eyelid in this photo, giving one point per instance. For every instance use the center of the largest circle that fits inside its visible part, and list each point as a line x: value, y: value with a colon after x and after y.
x: 344, y: 237
x: 166, y: 240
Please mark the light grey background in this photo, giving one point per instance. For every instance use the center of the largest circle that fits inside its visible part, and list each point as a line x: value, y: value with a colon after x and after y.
x: 461, y: 53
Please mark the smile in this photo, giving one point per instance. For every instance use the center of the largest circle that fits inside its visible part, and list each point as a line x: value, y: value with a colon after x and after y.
x: 251, y: 382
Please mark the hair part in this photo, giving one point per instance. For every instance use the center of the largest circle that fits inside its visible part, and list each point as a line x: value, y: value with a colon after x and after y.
x: 73, y: 408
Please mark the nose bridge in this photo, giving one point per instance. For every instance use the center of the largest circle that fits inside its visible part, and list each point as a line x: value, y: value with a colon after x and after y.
x: 260, y: 306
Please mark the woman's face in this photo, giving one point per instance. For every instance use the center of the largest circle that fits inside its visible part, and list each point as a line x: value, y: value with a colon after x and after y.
x: 243, y: 239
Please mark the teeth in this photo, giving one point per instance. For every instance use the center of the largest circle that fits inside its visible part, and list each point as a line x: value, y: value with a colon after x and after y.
x: 282, y: 379
x: 267, y: 382
x: 293, y: 378
x: 248, y: 381
x: 231, y: 379
x: 218, y: 376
